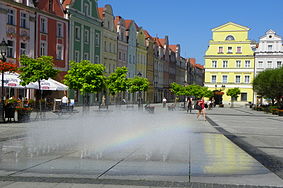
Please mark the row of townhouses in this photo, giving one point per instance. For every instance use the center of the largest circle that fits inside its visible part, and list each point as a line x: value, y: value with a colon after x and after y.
x: 232, y: 60
x: 75, y: 30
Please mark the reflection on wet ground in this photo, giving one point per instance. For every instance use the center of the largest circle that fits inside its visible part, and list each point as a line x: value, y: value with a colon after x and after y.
x: 181, y: 152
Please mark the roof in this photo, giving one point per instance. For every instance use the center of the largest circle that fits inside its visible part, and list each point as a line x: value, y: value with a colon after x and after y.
x: 117, y: 20
x: 66, y: 3
x: 157, y: 41
x: 147, y: 35
x: 199, y: 66
x: 128, y: 23
x: 100, y: 13
x: 57, y: 7
x: 173, y: 48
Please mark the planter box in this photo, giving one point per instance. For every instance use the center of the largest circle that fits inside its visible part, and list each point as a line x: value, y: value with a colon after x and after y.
x: 221, y: 105
x: 280, y: 112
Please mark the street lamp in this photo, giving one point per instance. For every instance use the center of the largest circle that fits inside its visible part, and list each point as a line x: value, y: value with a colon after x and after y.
x: 3, y: 51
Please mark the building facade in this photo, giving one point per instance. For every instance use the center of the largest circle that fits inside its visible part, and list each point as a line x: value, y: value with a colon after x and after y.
x: 141, y: 53
x: 85, y: 35
x: 269, y: 53
x: 132, y: 47
x: 109, y: 39
x: 122, y: 42
x: 150, y: 58
x: 229, y: 61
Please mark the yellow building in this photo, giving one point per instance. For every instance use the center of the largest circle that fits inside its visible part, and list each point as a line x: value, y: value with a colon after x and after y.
x: 229, y: 62
x: 141, y: 53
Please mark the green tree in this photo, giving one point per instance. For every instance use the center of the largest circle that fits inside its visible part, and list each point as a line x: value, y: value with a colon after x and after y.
x: 117, y: 81
x: 138, y: 84
x: 177, y: 90
x: 34, y: 70
x: 233, y: 93
x: 86, y: 77
x: 198, y: 91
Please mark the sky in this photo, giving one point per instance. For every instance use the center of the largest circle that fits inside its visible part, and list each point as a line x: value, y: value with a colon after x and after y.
x: 189, y: 22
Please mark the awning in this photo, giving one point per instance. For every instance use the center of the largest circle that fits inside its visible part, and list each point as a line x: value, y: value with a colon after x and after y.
x: 51, y: 85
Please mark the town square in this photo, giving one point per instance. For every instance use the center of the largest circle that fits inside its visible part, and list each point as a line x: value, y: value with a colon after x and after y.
x: 105, y: 93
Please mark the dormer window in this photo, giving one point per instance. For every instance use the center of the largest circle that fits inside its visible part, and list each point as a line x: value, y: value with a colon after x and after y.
x: 230, y: 37
x: 270, y: 36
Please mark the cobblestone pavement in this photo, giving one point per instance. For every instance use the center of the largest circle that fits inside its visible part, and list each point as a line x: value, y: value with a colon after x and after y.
x: 248, y: 129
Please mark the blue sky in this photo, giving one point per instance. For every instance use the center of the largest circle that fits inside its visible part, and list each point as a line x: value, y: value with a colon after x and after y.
x: 189, y: 22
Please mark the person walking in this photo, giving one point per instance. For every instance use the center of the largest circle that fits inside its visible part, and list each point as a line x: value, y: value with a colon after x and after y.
x: 64, y: 102
x: 164, y: 100
x: 190, y: 104
x: 201, y: 108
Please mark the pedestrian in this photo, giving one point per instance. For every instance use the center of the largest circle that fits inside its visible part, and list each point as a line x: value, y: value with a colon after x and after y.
x: 164, y: 100
x: 190, y: 105
x: 64, y: 101
x: 201, y: 108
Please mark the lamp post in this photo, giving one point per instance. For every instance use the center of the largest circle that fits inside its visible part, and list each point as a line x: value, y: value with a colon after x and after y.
x: 139, y: 104
x: 3, y: 51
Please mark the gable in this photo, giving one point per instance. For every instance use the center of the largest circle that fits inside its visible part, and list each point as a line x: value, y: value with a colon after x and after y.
x: 56, y: 7
x: 230, y: 26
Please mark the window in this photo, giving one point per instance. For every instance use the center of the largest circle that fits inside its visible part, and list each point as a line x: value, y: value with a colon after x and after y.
x: 238, y: 79
x: 59, y: 52
x: 238, y: 64
x: 247, y: 79
x: 11, y: 17
x: 97, y: 59
x: 43, y: 25
x: 43, y: 48
x: 224, y: 79
x: 110, y: 47
x: 260, y: 64
x: 77, y: 33
x: 23, y: 20
x: 86, y: 9
x: 244, y: 96
x: 97, y: 39
x: 130, y: 59
x: 220, y: 50
x: 10, y: 50
x: 269, y: 64
x: 86, y: 56
x: 59, y: 30
x: 77, y: 56
x: 230, y: 37
x: 124, y: 56
x: 120, y: 55
x: 247, y: 64
x: 105, y: 46
x: 229, y: 50
x: 86, y: 36
x: 239, y: 50
x: 279, y: 64
x: 23, y: 48
x: 225, y: 64
x: 214, y: 64
x: 269, y: 48
x: 213, y: 79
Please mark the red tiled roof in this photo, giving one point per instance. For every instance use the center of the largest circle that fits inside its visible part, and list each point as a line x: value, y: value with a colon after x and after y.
x: 66, y: 3
x: 162, y: 41
x: 157, y: 41
x: 199, y: 66
x: 100, y: 13
x: 128, y: 23
x: 147, y: 35
x: 173, y: 48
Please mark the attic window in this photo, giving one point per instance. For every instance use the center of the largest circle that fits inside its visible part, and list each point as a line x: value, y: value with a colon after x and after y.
x: 230, y: 37
x: 270, y: 36
x: 50, y: 5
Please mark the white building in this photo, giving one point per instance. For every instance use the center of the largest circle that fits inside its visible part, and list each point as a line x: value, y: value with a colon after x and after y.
x: 269, y: 53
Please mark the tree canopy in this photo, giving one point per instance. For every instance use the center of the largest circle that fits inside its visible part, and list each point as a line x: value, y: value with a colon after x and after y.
x: 118, y: 81
x: 191, y: 90
x: 138, y: 84
x: 269, y: 84
x: 233, y: 92
x: 85, y: 77
x: 34, y: 70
